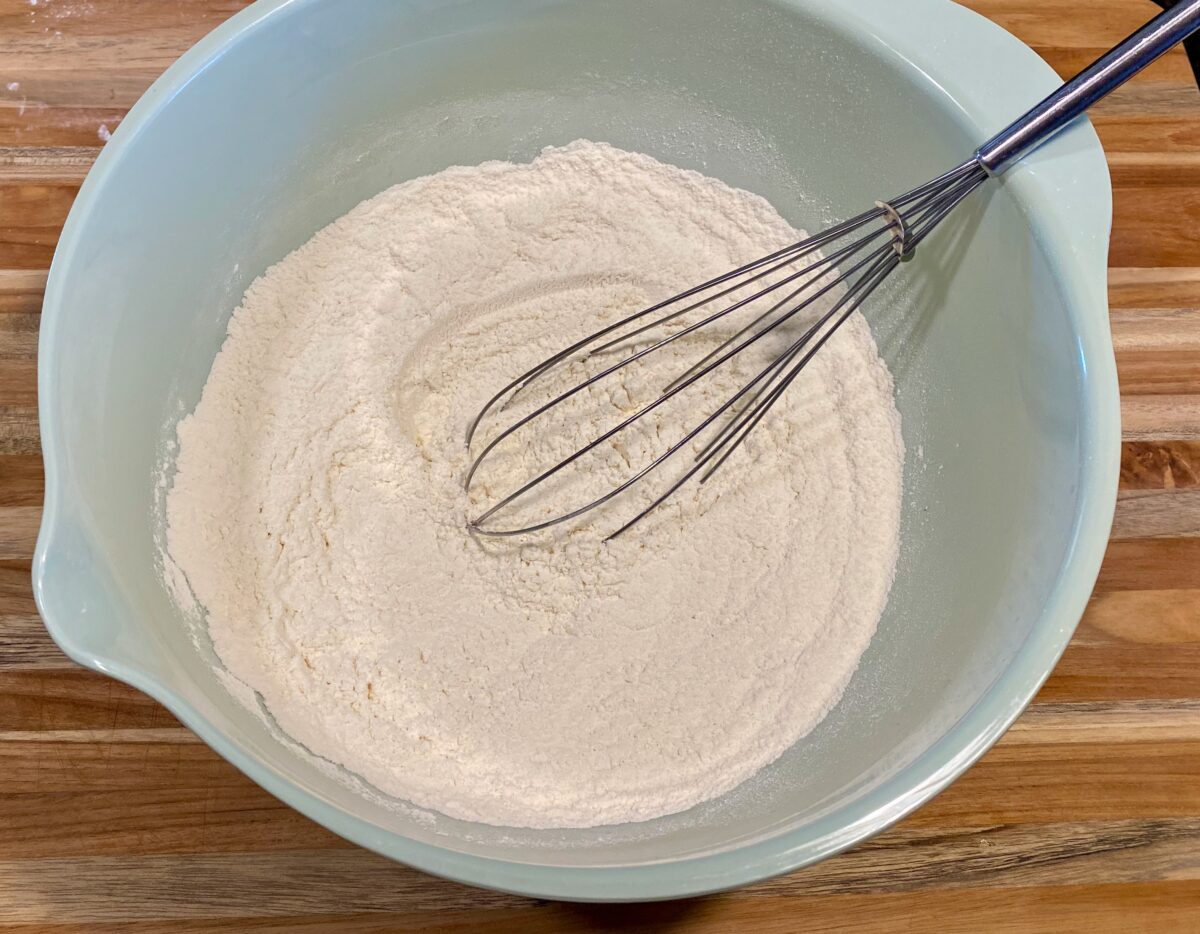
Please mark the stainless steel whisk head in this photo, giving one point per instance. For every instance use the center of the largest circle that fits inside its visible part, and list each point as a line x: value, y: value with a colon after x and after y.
x: 844, y: 264
x: 782, y: 285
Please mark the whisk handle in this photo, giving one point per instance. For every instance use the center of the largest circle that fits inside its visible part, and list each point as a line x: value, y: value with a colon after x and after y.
x: 1098, y: 80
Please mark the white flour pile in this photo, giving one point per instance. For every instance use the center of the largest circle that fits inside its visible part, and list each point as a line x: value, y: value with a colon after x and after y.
x: 555, y: 681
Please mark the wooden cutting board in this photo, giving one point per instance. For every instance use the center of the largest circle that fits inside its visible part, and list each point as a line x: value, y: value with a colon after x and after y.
x: 1085, y: 817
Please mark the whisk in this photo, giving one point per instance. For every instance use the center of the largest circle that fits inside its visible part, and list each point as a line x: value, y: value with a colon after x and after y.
x: 844, y: 265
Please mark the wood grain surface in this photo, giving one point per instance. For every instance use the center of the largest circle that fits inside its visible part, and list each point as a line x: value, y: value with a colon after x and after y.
x: 1086, y: 817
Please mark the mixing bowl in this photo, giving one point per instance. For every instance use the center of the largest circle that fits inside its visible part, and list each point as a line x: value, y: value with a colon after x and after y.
x: 292, y: 112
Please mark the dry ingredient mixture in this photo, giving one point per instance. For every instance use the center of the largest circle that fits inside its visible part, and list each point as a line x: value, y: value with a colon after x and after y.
x: 318, y: 514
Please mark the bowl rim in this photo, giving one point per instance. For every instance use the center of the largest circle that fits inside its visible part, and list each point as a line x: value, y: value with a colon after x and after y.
x: 983, y: 100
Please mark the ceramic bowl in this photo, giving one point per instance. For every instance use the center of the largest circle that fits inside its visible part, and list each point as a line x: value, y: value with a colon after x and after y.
x: 292, y: 112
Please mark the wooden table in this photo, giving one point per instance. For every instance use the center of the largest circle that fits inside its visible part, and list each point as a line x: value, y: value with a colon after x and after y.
x: 1085, y: 817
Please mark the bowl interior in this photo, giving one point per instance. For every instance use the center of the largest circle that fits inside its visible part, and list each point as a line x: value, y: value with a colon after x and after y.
x: 312, y: 107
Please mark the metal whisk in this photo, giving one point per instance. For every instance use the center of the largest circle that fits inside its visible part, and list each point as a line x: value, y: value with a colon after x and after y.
x: 843, y: 264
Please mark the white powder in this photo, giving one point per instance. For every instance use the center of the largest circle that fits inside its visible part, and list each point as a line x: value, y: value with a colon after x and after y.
x: 552, y: 681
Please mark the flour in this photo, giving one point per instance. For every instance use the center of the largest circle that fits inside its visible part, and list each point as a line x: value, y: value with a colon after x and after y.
x: 551, y: 680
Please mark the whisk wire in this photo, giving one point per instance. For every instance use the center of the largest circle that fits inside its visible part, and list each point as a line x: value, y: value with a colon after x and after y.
x: 629, y: 420
x: 813, y: 272
x: 904, y: 222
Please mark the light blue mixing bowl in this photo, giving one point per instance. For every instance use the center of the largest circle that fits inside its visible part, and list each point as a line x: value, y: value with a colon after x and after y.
x: 292, y: 112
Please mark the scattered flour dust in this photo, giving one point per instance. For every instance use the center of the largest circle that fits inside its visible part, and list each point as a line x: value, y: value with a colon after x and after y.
x: 551, y: 680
